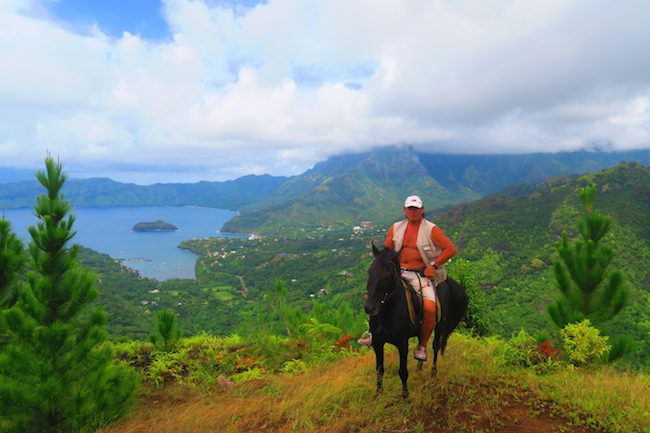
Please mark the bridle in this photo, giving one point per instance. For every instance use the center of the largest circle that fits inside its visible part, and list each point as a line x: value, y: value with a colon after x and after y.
x: 398, y: 282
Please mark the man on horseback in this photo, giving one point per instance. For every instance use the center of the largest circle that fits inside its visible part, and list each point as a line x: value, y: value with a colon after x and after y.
x: 424, y: 250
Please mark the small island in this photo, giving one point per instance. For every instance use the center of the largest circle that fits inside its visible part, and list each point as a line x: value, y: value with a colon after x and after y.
x: 155, y: 226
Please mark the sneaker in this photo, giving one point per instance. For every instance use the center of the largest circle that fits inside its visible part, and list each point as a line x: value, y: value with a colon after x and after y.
x: 420, y: 353
x: 365, y: 341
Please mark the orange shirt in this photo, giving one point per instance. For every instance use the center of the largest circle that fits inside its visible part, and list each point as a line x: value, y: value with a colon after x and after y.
x: 410, y: 256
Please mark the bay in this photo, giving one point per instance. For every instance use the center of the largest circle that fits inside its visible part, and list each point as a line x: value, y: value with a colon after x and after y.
x: 153, y: 254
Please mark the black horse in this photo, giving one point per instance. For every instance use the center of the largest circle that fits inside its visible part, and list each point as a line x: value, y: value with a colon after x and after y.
x: 390, y: 322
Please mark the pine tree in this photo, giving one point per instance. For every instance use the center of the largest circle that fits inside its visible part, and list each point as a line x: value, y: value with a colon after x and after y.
x: 166, y: 332
x: 280, y: 302
x: 588, y: 288
x: 56, y: 373
x: 11, y: 263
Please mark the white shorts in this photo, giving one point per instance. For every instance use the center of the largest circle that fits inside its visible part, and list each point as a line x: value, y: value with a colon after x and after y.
x: 422, y: 285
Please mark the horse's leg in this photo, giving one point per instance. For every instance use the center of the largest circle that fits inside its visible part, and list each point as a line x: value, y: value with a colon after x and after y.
x: 379, y: 358
x: 403, y: 370
x: 420, y: 363
x: 436, y: 347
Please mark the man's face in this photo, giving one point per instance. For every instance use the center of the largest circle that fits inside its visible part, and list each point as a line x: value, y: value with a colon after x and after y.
x: 414, y: 214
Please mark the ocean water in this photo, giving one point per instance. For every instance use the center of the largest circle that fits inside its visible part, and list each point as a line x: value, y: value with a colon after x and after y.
x: 153, y: 254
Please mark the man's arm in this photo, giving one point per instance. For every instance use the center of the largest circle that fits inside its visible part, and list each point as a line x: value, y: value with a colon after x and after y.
x: 447, y: 248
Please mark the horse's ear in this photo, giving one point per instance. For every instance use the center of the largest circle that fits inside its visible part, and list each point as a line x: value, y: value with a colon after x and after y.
x: 375, y: 251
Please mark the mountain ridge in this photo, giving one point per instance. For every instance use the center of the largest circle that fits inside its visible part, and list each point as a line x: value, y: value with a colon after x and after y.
x: 377, y: 180
x: 231, y: 194
x: 372, y: 185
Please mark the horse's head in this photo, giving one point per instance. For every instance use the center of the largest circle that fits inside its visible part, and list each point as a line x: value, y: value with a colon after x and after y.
x: 382, y: 275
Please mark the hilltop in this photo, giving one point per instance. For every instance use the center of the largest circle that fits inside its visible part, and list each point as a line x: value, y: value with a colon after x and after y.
x: 474, y: 391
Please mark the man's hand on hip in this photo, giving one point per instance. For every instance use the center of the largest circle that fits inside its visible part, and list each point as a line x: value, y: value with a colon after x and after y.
x: 430, y: 272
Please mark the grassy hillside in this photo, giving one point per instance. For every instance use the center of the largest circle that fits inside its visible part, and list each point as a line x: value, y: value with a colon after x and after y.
x: 473, y: 392
x: 514, y: 234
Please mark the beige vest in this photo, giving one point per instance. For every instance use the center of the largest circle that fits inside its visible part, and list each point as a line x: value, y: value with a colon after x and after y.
x: 427, y: 248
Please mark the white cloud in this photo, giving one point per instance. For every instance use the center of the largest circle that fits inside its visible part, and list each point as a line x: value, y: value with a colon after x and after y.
x: 277, y: 87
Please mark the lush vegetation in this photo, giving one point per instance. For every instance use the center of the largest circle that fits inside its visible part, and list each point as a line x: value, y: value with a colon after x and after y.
x: 510, y: 240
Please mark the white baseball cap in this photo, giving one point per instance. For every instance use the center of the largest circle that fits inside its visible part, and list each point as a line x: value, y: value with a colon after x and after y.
x: 413, y: 201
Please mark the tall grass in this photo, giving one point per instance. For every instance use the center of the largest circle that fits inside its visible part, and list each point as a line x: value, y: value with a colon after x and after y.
x: 472, y: 392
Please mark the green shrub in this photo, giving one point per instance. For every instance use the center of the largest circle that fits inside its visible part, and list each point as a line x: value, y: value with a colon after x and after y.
x: 319, y: 330
x: 294, y: 366
x: 520, y: 350
x: 210, y: 363
x: 537, y: 263
x: 164, y: 368
x: 245, y: 376
x: 480, y: 315
x: 583, y: 343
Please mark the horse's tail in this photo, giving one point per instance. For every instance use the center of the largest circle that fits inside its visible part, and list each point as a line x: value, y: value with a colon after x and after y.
x: 456, y: 312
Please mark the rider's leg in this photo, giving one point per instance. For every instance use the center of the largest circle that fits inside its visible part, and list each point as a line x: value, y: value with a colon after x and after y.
x: 429, y: 322
x: 429, y: 319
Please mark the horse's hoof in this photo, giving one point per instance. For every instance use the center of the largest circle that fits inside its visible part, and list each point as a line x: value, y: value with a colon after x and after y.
x: 405, y: 394
x: 434, y: 372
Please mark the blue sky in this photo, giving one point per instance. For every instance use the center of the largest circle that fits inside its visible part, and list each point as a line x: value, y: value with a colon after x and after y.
x: 141, y: 17
x: 114, y: 17
x: 184, y: 90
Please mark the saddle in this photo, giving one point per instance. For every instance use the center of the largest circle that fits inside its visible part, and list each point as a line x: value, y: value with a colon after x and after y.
x: 409, y: 291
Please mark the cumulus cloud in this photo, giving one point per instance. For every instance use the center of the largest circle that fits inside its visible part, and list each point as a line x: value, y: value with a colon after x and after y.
x: 278, y: 86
